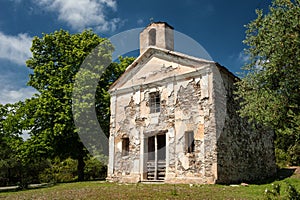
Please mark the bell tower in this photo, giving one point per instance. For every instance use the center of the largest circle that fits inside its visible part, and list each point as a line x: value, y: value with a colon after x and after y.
x: 158, y: 34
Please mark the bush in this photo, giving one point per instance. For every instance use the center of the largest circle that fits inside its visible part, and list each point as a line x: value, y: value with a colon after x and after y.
x: 66, y: 170
x: 94, y: 169
x: 276, y: 193
x: 294, y: 152
x: 60, y: 171
x: 293, y: 194
x: 281, y: 158
x: 287, y: 147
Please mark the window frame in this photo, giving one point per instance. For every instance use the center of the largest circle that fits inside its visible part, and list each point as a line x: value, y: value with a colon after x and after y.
x: 154, y: 102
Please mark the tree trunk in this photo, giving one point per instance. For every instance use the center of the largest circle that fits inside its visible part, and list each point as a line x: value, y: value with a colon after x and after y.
x: 80, y: 168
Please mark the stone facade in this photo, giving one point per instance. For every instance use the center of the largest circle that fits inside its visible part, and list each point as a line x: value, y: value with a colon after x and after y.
x: 174, y: 119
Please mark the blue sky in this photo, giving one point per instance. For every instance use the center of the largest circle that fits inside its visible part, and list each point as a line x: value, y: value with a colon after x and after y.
x: 215, y: 24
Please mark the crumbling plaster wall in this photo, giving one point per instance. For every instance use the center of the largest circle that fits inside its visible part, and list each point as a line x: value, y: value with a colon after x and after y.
x: 227, y: 148
x: 186, y: 105
x: 193, y: 112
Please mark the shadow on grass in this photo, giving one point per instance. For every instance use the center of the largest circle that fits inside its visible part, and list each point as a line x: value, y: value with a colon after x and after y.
x: 281, y: 174
x: 30, y: 187
x: 285, y: 173
x: 40, y: 185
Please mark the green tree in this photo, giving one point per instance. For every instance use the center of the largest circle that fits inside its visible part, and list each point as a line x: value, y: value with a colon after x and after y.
x: 270, y: 88
x: 113, y: 72
x: 19, y: 163
x: 56, y: 58
x: 59, y: 60
x: 5, y: 162
x: 9, y: 142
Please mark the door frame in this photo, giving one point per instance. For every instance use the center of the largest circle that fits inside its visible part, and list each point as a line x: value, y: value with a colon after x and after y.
x: 148, y: 135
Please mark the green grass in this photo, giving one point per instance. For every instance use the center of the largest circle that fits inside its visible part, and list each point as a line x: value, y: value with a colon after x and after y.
x: 104, y: 190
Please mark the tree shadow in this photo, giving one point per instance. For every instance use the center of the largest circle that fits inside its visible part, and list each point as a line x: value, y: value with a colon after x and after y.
x: 282, y: 173
x: 285, y: 173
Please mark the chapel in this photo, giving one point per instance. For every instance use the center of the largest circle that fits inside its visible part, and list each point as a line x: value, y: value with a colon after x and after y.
x: 174, y: 119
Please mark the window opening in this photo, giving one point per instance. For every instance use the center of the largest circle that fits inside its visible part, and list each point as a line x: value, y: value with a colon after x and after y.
x: 152, y: 37
x: 125, y: 146
x: 189, y: 142
x: 154, y: 102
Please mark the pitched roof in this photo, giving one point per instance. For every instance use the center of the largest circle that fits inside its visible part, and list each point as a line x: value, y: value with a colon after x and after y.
x: 160, y: 22
x: 181, y: 59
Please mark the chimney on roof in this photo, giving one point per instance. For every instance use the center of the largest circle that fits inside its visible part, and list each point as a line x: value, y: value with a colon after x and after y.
x: 158, y: 34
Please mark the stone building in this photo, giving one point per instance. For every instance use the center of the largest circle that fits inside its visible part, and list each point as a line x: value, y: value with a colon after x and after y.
x: 174, y: 119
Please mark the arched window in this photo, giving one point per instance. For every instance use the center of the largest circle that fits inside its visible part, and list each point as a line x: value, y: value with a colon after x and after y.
x: 152, y: 37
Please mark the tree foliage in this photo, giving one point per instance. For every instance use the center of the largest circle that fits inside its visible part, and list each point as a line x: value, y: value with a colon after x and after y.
x: 18, y: 165
x: 112, y: 73
x: 8, y: 156
x: 56, y: 60
x: 270, y: 89
x: 8, y: 162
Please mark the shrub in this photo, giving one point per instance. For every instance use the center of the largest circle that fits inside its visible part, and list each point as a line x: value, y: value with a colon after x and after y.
x: 94, y: 169
x: 66, y: 170
x: 60, y: 171
x: 276, y: 193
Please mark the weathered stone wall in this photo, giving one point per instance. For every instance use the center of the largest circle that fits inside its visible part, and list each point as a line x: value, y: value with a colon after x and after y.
x: 245, y: 151
x: 196, y: 96
x: 192, y: 113
x: 185, y: 106
x: 227, y: 148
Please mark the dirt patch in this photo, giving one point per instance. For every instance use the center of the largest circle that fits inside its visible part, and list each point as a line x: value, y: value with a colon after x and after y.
x: 296, y: 172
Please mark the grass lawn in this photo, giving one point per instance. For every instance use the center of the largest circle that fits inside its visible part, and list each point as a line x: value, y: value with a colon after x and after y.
x: 104, y: 190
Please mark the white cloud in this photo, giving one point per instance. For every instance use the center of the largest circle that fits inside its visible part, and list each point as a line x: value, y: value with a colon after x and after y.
x: 12, y: 96
x: 243, y: 58
x: 15, y: 48
x: 81, y: 14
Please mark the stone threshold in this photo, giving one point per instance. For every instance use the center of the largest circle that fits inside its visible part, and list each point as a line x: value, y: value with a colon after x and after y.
x: 153, y: 182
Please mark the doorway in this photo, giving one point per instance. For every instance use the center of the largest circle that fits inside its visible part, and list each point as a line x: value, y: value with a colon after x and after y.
x: 156, y: 159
